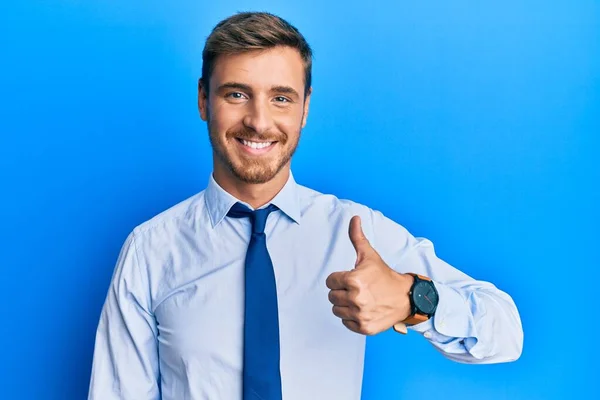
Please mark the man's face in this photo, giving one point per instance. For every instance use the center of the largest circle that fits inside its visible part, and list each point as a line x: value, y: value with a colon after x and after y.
x: 255, y: 111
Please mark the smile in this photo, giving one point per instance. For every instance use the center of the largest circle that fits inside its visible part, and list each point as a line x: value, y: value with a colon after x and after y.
x: 255, y: 147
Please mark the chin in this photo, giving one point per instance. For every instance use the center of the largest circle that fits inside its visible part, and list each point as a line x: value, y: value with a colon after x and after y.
x: 255, y: 170
x: 253, y: 174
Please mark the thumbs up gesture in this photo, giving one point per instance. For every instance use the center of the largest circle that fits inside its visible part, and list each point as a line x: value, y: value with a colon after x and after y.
x: 372, y: 297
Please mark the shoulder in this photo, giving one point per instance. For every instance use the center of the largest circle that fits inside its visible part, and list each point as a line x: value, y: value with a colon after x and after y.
x: 187, y: 214
x: 332, y: 207
x: 311, y: 198
x: 329, y: 208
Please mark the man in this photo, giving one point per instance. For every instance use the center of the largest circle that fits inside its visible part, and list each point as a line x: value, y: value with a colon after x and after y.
x: 260, y: 288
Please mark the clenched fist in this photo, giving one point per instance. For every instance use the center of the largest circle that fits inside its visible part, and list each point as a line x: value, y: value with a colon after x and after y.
x: 372, y: 297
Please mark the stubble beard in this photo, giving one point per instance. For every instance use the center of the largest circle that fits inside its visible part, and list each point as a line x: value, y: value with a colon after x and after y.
x: 251, y: 170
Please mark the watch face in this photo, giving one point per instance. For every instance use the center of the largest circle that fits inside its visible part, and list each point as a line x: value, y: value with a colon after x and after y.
x: 425, y: 297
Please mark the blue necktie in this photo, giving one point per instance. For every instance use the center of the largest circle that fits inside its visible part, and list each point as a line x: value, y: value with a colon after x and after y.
x: 262, y: 377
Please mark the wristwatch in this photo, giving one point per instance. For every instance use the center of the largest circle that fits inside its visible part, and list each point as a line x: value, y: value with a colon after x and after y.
x: 423, y: 298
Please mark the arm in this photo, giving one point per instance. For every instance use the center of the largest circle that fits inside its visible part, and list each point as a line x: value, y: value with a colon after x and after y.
x: 125, y: 362
x: 474, y: 322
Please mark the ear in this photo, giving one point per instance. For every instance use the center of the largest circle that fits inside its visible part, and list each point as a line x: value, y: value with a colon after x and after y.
x: 202, y: 100
x: 306, y: 105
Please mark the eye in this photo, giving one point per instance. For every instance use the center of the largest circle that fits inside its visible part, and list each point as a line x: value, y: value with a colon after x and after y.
x: 235, y: 96
x: 281, y: 99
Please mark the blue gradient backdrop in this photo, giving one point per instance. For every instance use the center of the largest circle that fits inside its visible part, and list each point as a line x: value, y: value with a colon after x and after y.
x: 472, y: 123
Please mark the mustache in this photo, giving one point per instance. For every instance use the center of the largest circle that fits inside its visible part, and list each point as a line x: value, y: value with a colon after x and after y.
x: 248, y: 134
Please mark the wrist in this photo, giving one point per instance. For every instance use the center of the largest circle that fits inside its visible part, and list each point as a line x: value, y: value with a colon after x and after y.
x: 404, y: 304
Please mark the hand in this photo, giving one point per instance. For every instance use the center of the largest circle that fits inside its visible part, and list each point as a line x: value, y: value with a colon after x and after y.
x: 372, y: 297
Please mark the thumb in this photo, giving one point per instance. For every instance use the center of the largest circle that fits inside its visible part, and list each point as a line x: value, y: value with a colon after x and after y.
x: 359, y: 241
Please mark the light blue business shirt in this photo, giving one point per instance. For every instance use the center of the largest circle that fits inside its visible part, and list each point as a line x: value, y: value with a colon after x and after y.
x: 172, y: 323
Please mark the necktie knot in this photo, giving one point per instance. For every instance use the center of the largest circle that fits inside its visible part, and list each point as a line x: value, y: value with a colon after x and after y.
x: 257, y: 217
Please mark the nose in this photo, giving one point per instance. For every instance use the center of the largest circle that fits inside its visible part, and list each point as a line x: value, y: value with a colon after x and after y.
x: 258, y: 117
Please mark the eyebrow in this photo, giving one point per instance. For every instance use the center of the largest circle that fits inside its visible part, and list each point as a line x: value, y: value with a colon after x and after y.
x: 274, y: 89
x: 234, y: 85
x: 285, y: 90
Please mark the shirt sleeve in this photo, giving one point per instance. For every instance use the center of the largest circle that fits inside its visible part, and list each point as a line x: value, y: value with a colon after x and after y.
x: 474, y: 322
x: 125, y: 364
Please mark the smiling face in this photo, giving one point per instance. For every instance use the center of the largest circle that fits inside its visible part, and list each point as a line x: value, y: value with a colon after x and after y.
x: 255, y: 109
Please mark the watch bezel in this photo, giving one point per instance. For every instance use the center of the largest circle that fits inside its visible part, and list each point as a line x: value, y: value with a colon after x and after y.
x: 415, y: 309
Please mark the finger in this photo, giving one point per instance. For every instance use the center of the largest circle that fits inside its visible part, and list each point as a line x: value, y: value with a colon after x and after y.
x: 352, y: 325
x: 343, y: 312
x: 358, y: 328
x: 340, y: 298
x: 359, y: 240
x: 337, y: 280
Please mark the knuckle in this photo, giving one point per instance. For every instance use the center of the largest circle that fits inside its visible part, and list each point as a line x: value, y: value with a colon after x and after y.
x: 366, y: 328
x: 353, y: 280
x: 370, y: 331
x: 364, y: 317
x: 359, y: 301
x: 363, y: 327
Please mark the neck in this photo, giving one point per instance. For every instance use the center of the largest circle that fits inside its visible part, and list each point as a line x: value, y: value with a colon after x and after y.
x: 255, y: 194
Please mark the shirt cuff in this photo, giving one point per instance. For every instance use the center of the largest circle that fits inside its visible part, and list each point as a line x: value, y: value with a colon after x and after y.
x: 451, y: 328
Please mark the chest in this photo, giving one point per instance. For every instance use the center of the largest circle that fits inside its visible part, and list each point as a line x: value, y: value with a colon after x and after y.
x: 200, y: 304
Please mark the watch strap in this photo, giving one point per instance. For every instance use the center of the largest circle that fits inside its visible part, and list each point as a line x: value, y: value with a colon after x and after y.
x: 422, y: 277
x: 415, y: 319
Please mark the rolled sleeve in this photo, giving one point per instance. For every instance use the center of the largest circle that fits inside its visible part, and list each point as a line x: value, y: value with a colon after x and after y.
x: 452, y: 329
x: 474, y: 322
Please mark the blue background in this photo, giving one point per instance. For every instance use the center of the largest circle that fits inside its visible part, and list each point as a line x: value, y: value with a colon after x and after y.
x: 472, y: 123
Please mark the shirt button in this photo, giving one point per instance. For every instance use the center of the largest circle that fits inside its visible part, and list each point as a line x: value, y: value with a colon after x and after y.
x: 427, y: 335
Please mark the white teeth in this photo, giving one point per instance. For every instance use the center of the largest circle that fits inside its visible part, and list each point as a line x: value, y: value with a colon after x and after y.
x: 256, y: 145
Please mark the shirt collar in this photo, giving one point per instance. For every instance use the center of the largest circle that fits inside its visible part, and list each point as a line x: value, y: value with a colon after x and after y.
x: 218, y: 201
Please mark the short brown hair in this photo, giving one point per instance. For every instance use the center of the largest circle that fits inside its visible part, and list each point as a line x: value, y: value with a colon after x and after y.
x: 249, y: 31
